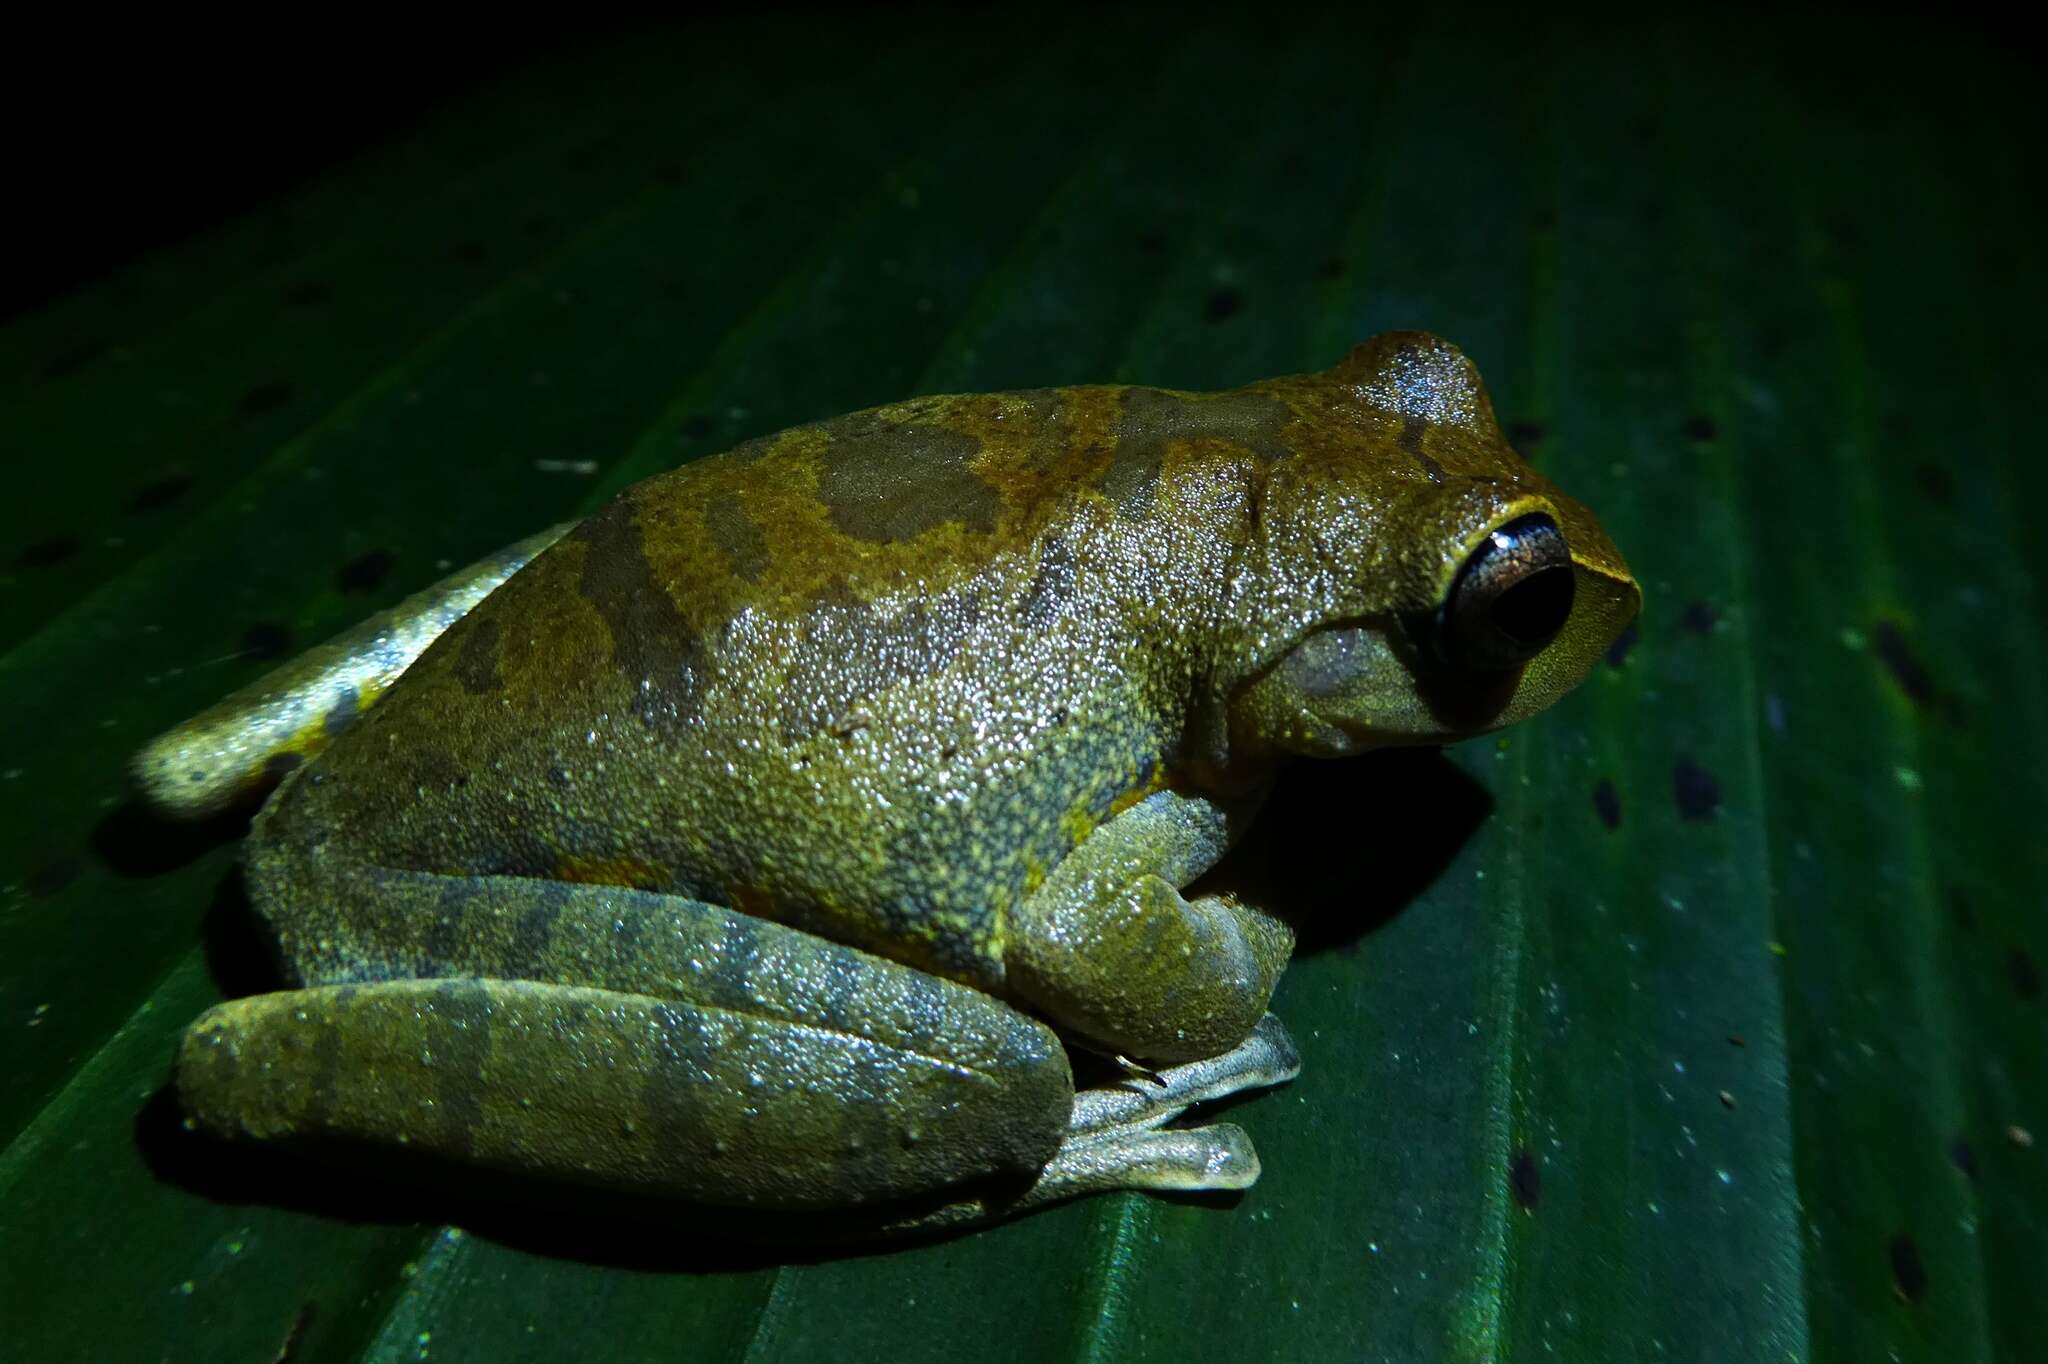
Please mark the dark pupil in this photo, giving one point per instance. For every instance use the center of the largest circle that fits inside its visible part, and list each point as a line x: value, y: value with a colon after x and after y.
x: 1534, y: 609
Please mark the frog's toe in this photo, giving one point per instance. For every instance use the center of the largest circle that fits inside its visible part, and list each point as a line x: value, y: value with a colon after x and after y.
x: 1118, y: 1138
x: 1176, y: 1159
x: 1266, y: 1058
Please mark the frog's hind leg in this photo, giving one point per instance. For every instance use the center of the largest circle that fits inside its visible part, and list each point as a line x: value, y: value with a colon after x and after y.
x: 658, y: 1098
x: 627, y: 1040
x: 655, y: 1044
x: 234, y: 747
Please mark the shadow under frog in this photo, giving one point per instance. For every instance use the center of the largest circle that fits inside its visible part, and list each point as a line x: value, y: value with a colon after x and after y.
x: 799, y: 831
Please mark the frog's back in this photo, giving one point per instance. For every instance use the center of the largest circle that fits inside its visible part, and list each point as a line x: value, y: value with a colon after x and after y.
x: 872, y: 676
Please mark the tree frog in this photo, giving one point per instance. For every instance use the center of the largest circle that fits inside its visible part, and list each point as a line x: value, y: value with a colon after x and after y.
x: 778, y: 835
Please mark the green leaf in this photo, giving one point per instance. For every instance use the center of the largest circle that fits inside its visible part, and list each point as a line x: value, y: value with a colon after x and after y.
x: 1699, y: 1018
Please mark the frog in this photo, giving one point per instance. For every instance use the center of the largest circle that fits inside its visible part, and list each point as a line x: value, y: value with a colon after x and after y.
x: 787, y: 835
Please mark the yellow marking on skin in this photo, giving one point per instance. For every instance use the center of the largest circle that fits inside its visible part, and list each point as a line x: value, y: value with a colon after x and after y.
x: 1077, y: 823
x: 753, y: 902
x: 611, y: 871
x: 1154, y: 782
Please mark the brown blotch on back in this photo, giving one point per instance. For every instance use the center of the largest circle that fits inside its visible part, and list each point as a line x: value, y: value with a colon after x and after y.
x: 476, y: 665
x: 852, y: 651
x: 1413, y: 429
x: 652, y: 645
x: 884, y: 482
x: 1052, y: 586
x: 737, y: 535
x: 1151, y: 420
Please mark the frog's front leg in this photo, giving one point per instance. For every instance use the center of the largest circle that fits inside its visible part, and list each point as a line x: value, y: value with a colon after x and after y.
x: 286, y: 716
x: 680, y: 1049
x: 1110, y: 950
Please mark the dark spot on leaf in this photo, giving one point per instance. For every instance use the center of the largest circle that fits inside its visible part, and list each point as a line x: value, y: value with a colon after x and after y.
x: 1909, y: 1274
x: 49, y: 553
x: 1526, y: 435
x: 1151, y: 241
x: 1525, y: 1179
x: 308, y: 294
x: 1898, y: 657
x: 1333, y: 268
x: 160, y: 494
x: 266, y: 398
x: 1222, y: 304
x: 1964, y: 913
x: 1935, y: 482
x: 77, y: 357
x: 2026, y: 976
x: 53, y: 876
x: 365, y: 572
x: 1735, y: 1040
x: 469, y: 253
x: 1698, y: 617
x: 266, y: 640
x: 1607, y: 804
x: 697, y: 428
x: 1699, y: 429
x: 1694, y: 788
x: 1963, y: 1157
x: 1617, y: 652
x: 295, y: 1336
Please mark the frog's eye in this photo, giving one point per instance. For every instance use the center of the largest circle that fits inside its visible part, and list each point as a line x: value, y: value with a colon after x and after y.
x: 1510, y: 599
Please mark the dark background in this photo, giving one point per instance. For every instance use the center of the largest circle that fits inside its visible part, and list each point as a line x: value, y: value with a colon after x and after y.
x: 131, y: 132
x: 134, y: 131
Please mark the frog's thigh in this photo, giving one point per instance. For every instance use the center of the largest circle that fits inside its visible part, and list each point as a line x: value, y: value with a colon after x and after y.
x: 1110, y: 949
x: 664, y: 1096
x: 227, y: 751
